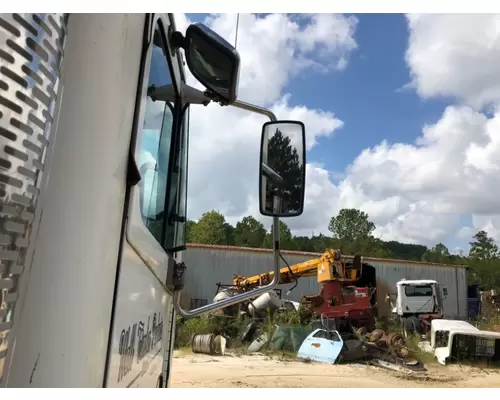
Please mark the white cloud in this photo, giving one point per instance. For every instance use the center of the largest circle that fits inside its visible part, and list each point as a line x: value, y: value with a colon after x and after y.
x: 224, y: 142
x: 417, y: 192
x: 455, y: 55
x: 413, y: 192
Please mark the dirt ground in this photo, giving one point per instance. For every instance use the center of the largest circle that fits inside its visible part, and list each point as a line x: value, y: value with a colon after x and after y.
x: 260, y: 371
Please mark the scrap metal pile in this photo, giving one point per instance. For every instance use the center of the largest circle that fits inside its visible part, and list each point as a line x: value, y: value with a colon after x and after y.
x: 338, y: 323
x: 390, y: 347
x: 378, y: 347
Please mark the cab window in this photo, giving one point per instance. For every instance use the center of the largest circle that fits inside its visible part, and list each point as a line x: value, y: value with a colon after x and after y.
x: 155, y: 142
x: 175, y: 235
x: 418, y: 291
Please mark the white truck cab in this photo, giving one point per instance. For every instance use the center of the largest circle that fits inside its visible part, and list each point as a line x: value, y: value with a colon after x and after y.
x: 94, y: 133
x: 417, y: 302
x: 418, y: 297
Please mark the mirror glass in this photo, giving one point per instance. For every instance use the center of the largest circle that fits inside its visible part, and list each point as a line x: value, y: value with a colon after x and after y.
x: 282, y: 169
x: 213, y: 61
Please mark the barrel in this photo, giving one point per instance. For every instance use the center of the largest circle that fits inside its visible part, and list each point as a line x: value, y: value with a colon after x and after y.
x: 208, y: 344
x: 203, y: 343
x: 269, y: 300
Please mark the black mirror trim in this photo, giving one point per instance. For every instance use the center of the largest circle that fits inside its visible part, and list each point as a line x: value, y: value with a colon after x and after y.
x: 301, y: 210
x: 219, y: 44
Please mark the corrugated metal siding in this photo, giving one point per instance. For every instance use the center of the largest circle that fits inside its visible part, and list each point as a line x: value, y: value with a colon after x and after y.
x: 208, y: 265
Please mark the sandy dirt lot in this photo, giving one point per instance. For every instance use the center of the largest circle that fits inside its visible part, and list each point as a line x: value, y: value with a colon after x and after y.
x: 259, y: 371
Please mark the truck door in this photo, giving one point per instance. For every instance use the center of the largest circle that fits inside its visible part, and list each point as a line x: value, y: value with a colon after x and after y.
x: 140, y: 344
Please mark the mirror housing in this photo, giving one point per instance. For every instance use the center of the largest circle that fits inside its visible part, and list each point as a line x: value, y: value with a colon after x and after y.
x: 282, y: 172
x: 213, y: 61
x: 445, y: 292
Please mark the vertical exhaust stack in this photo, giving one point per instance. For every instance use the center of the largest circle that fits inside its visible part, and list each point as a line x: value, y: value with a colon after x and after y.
x: 32, y: 48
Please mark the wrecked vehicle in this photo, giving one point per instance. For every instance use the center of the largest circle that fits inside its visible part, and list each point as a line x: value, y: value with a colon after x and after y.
x: 322, y: 346
x: 329, y: 346
x: 459, y: 340
x: 416, y: 304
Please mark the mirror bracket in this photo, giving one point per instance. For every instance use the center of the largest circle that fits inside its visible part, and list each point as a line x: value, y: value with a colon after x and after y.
x: 190, y: 94
x: 219, y: 77
x: 216, y: 98
x: 177, y: 40
x: 175, y: 274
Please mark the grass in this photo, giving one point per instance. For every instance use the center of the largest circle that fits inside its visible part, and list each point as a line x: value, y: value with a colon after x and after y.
x: 216, y: 324
x: 231, y: 327
x: 234, y: 327
x: 425, y: 357
x: 489, y: 324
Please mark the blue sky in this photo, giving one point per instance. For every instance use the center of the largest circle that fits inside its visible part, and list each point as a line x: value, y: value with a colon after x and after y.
x: 369, y: 97
x: 365, y: 95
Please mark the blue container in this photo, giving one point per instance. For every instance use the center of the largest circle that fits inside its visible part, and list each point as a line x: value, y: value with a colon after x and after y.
x: 473, y: 301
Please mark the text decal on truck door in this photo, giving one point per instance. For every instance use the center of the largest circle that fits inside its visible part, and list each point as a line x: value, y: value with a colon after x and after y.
x: 147, y: 336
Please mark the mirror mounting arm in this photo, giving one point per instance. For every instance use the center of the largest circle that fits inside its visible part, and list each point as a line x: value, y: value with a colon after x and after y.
x: 178, y: 40
x: 167, y: 93
x: 195, y: 96
x: 276, y: 253
x: 216, y: 98
x: 255, y: 109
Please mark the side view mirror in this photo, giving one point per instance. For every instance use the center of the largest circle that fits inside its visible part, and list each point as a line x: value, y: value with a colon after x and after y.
x: 282, y: 171
x: 445, y: 292
x: 212, y: 60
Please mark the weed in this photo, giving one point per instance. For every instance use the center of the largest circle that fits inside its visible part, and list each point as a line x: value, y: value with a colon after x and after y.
x: 412, y: 343
x: 489, y: 323
x: 217, y: 324
x: 388, y: 325
x: 233, y: 328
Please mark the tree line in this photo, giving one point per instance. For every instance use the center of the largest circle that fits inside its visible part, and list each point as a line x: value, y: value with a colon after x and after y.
x: 351, y: 232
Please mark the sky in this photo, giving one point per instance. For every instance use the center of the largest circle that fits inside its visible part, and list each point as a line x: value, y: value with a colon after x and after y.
x: 401, y: 116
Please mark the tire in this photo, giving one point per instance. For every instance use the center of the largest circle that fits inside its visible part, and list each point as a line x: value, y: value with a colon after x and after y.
x: 417, y: 365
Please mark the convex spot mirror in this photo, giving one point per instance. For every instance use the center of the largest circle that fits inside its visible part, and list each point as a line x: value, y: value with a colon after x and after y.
x: 212, y: 61
x: 282, y: 174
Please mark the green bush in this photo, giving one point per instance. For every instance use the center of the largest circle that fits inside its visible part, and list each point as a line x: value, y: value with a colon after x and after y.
x: 216, y: 324
x: 231, y: 327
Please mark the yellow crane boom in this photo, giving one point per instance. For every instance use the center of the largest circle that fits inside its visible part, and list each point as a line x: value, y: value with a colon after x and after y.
x: 328, y: 267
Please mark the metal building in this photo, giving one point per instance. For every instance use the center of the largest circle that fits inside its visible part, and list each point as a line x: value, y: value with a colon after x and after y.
x: 208, y: 265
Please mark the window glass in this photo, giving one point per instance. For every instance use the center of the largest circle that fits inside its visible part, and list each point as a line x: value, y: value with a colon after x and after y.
x: 155, y: 143
x: 418, y: 291
x: 175, y: 238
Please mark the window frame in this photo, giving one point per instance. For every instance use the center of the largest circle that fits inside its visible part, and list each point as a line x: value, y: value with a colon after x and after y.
x: 181, y: 138
x: 140, y: 238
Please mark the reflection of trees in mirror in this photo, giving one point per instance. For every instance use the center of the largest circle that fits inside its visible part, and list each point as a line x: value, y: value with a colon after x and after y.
x: 284, y: 159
